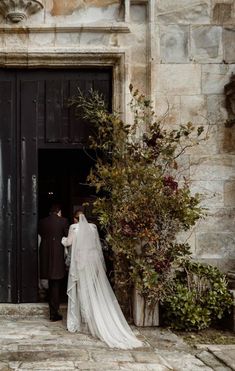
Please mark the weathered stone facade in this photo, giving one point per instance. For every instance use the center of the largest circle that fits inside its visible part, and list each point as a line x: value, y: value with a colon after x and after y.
x: 179, y: 52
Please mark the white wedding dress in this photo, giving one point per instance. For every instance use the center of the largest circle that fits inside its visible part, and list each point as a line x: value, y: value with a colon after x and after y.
x: 91, y: 300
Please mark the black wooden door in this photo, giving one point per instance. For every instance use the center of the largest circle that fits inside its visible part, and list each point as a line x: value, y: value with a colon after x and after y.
x: 34, y: 114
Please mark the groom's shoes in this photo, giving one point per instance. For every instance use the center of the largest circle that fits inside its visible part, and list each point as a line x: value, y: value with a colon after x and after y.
x: 56, y: 317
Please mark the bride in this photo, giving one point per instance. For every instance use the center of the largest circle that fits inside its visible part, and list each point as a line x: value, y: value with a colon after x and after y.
x: 91, y: 300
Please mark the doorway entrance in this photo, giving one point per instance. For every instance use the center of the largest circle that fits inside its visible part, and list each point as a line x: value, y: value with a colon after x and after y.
x: 43, y: 146
x: 62, y: 177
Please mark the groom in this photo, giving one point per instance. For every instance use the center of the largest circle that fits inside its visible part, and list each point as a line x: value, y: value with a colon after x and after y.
x: 52, y: 266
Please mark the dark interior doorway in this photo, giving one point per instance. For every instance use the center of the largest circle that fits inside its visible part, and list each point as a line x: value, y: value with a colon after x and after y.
x: 62, y: 177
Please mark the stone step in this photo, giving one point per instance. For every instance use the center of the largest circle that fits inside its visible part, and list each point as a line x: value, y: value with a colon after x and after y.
x: 55, y: 365
x: 25, y: 310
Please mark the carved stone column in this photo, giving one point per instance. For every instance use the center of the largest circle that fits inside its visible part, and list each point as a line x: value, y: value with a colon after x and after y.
x: 18, y: 10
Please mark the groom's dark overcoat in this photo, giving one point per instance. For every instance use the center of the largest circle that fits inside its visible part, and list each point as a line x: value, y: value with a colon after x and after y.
x: 51, y: 230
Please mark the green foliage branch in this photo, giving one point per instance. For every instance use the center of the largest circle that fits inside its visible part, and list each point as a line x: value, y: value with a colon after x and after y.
x: 197, y: 298
x: 140, y: 205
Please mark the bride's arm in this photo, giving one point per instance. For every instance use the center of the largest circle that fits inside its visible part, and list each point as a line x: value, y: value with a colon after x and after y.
x: 68, y: 241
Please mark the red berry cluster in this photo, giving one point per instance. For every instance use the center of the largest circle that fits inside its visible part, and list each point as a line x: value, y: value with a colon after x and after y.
x: 169, y: 182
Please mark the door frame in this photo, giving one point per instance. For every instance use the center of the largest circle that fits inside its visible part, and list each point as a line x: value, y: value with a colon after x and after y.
x: 118, y: 60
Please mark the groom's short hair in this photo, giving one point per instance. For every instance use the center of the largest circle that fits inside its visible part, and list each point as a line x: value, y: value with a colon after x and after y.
x: 55, y: 208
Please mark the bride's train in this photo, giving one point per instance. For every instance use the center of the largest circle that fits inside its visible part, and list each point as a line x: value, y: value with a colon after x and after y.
x: 91, y: 299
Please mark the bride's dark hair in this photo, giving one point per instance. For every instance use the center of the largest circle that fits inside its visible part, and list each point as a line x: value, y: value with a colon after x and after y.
x: 80, y: 209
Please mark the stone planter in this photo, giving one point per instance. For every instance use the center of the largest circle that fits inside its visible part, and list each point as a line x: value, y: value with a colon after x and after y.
x: 142, y: 315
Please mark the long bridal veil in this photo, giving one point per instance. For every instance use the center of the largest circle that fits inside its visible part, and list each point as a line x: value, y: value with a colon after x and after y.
x: 91, y: 299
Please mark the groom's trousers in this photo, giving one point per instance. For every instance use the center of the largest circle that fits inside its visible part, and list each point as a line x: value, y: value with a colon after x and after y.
x: 54, y: 296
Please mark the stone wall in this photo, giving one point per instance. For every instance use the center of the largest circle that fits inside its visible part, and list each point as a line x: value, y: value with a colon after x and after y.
x: 181, y: 53
x: 195, y: 61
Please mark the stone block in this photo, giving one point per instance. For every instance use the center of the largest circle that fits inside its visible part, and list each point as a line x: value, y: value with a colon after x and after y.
x: 215, y: 76
x: 41, y: 39
x: 217, y: 220
x: 216, y: 139
x: 2, y: 38
x: 18, y: 40
x: 226, y: 139
x: 218, y: 167
x: 24, y: 310
x: 206, y: 44
x: 222, y: 13
x: 229, y: 45
x: 208, y: 143
x: 215, y: 245
x: 178, y: 79
x: 89, y: 12
x: 174, y: 41
x: 67, y: 39
x: 193, y: 109
x: 216, y: 111
x: 136, y: 40
x: 211, y: 193
x: 229, y: 194
x: 183, y: 11
x: 167, y: 109
x: 138, y: 14
x: 94, y: 39
x: 139, y: 79
x: 183, y: 168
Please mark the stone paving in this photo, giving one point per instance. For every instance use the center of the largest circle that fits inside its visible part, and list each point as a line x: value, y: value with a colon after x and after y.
x: 32, y: 342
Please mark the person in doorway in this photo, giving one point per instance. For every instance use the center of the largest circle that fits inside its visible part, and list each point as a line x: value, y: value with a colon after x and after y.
x: 91, y: 300
x: 72, y: 228
x: 52, y: 266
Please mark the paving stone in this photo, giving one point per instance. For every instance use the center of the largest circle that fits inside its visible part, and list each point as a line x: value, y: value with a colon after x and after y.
x: 71, y: 355
x: 104, y: 366
x: 163, y: 339
x: 4, y: 366
x: 47, y: 365
x: 210, y: 360
x: 183, y: 361
x: 148, y: 357
x: 45, y: 346
x: 114, y: 355
x: 225, y: 353
x: 142, y: 367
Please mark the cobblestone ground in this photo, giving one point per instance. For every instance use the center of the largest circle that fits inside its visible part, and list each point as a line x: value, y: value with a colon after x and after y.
x: 35, y: 343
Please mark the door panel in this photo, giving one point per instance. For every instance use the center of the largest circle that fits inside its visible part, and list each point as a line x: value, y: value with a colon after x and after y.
x: 28, y: 254
x: 8, y: 207
x: 34, y: 113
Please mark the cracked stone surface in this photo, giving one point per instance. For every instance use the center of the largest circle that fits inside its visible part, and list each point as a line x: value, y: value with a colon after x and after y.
x: 31, y: 342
